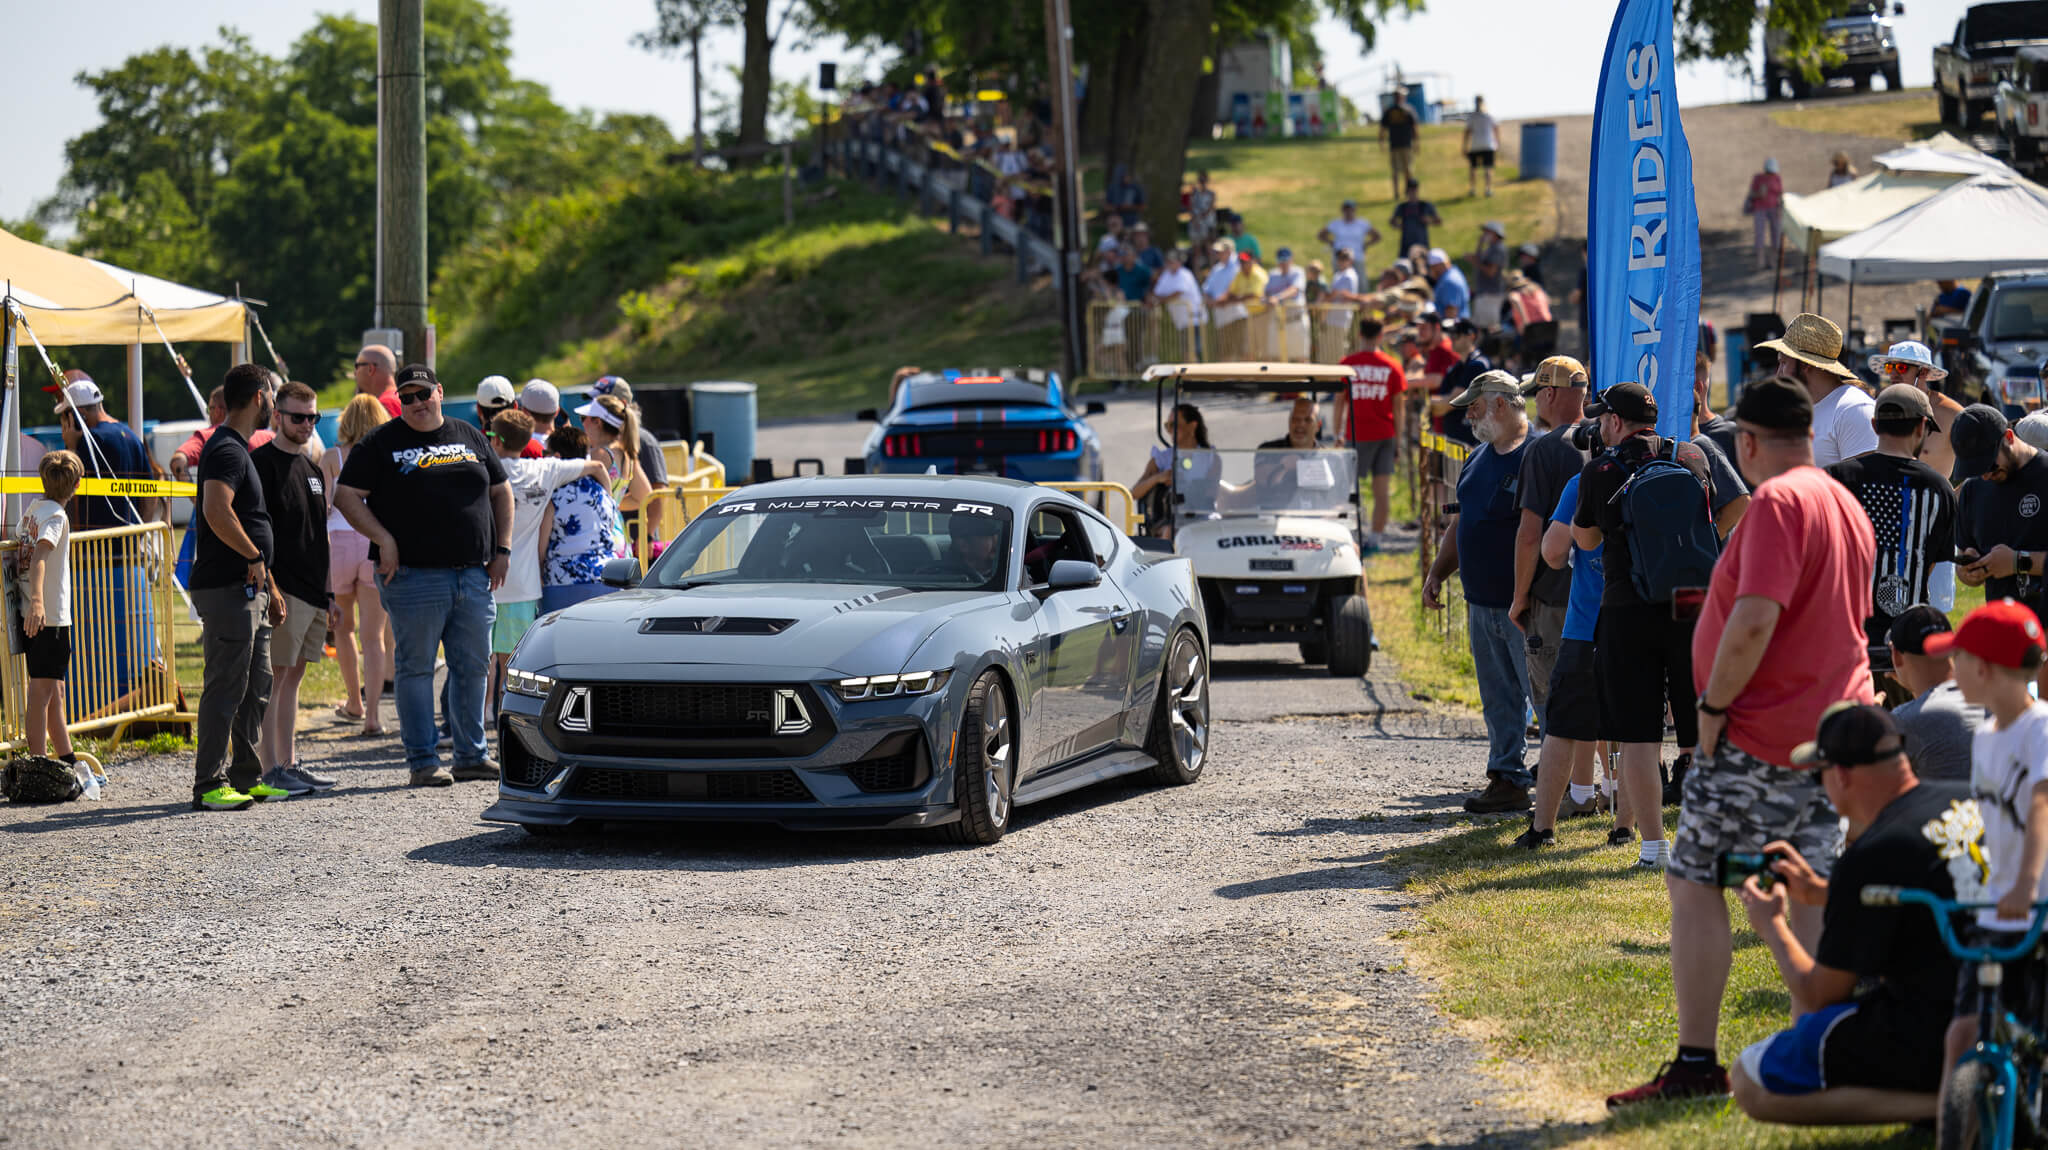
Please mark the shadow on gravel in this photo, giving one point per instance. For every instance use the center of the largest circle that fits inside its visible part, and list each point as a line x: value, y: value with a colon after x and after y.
x: 727, y: 846
x: 1327, y: 878
x: 68, y: 816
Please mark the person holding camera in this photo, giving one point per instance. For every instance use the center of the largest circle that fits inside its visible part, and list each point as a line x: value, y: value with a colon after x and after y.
x: 1654, y: 498
x: 1779, y: 641
x: 1871, y: 1003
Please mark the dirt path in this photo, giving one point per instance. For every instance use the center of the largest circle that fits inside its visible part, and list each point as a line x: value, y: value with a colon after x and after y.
x: 1205, y: 966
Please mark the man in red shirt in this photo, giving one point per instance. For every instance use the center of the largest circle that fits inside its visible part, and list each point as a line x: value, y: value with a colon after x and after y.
x: 377, y: 375
x: 1370, y: 421
x: 1779, y: 642
x: 186, y: 457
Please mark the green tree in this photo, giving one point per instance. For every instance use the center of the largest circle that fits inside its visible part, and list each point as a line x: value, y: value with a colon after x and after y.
x: 679, y: 25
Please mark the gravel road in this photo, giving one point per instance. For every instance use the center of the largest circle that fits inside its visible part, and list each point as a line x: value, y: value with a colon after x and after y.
x: 1202, y: 966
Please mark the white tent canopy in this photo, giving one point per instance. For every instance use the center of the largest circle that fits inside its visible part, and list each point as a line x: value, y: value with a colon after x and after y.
x: 1943, y: 153
x: 1984, y: 224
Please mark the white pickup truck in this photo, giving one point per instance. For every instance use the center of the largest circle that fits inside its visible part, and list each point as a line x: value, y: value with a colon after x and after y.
x: 1968, y: 67
x: 2022, y: 108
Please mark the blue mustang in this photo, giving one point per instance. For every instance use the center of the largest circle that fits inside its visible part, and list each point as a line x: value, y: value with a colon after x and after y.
x: 1016, y: 424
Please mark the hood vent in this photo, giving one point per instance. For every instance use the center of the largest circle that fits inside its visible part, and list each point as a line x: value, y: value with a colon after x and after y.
x: 714, y: 625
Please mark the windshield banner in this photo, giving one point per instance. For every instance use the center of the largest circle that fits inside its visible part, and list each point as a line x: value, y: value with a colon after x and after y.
x: 1642, y: 226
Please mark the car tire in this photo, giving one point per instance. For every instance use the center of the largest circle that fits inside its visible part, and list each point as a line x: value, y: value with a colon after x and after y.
x: 1178, y: 737
x: 1771, y: 91
x: 1947, y: 104
x: 985, y: 770
x: 1892, y: 82
x: 1315, y: 654
x: 1350, y: 637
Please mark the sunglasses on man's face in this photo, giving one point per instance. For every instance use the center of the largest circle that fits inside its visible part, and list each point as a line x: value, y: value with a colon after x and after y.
x: 417, y: 395
x: 301, y: 417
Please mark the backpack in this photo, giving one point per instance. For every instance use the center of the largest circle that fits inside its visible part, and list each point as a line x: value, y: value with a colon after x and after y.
x: 1669, y: 524
x: 39, y: 779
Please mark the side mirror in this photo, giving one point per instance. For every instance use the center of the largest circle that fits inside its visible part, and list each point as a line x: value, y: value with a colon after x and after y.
x: 623, y: 571
x: 1957, y: 337
x: 868, y: 415
x: 1072, y: 575
x: 1096, y: 407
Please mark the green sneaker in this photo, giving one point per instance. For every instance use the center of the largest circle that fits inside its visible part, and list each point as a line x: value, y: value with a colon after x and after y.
x: 222, y: 798
x: 264, y: 792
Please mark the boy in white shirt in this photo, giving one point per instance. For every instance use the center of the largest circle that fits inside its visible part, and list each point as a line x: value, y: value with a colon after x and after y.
x: 1997, y: 651
x: 46, y: 603
x: 532, y: 481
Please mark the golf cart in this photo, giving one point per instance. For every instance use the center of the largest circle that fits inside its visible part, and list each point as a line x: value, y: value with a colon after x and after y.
x: 1273, y: 532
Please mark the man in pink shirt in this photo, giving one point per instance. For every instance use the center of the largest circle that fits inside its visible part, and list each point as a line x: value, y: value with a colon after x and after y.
x: 1780, y: 641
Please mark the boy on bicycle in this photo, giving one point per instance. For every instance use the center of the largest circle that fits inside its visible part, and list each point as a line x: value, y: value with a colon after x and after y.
x: 1998, y: 650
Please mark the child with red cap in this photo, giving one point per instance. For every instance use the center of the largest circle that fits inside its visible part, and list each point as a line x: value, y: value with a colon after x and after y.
x: 1997, y: 651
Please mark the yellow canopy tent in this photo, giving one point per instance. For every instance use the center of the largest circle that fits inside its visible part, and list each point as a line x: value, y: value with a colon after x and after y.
x: 70, y: 300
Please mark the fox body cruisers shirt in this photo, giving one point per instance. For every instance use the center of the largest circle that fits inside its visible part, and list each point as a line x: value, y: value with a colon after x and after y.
x: 430, y: 489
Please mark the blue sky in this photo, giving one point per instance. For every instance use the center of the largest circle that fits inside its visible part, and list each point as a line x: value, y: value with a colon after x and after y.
x: 1532, y: 59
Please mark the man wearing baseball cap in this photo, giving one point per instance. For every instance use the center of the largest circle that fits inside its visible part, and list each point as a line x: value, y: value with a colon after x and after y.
x: 1810, y: 354
x: 1641, y: 647
x: 1910, y: 361
x: 1453, y: 295
x: 433, y: 498
x: 1912, y: 511
x: 1939, y: 723
x: 1779, y: 641
x: 1472, y: 363
x: 1369, y: 419
x: 109, y: 448
x: 1349, y: 231
x: 1480, y: 541
x: 494, y: 398
x: 2001, y: 509
x: 543, y: 402
x: 1542, y: 592
x: 1870, y: 999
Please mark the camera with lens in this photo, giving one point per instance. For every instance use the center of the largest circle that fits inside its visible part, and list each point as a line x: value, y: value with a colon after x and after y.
x: 1586, y: 436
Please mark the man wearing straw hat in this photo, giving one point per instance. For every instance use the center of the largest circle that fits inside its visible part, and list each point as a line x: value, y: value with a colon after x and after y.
x: 1810, y: 354
x: 1910, y: 361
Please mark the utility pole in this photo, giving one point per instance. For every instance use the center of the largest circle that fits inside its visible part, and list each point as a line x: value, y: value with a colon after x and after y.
x: 697, y: 93
x: 1066, y: 200
x: 402, y: 175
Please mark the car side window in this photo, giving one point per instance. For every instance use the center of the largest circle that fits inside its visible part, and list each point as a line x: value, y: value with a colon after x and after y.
x: 1053, y: 535
x: 1101, y: 539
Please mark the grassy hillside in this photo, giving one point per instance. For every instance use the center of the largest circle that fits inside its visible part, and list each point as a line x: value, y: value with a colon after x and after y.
x: 692, y: 276
x: 1913, y: 116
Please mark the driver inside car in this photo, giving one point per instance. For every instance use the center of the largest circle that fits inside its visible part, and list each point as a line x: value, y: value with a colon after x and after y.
x: 974, y: 548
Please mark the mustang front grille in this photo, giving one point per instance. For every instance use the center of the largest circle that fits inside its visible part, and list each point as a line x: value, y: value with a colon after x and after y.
x: 690, y: 786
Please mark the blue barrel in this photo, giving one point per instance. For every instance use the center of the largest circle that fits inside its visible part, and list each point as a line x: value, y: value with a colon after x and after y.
x: 1539, y: 150
x: 727, y: 411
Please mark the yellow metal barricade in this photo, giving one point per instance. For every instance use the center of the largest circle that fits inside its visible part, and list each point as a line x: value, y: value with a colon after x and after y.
x: 1083, y: 488
x: 123, y: 605
x: 691, y: 470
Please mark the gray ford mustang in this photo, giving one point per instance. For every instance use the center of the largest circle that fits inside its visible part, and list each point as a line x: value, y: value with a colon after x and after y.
x: 862, y: 651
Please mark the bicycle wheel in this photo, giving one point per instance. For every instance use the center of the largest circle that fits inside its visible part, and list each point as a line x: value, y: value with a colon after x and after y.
x: 1968, y: 1108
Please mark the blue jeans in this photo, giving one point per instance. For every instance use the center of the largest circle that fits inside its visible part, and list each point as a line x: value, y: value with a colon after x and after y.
x: 1500, y: 659
x: 449, y: 608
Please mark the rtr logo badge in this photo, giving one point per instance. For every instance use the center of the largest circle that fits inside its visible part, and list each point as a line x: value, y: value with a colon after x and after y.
x: 790, y: 716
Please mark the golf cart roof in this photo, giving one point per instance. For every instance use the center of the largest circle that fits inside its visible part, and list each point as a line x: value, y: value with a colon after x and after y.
x: 1252, y: 377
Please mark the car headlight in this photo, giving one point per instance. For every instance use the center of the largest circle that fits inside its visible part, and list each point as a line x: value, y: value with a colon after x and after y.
x: 890, y: 686
x: 528, y: 683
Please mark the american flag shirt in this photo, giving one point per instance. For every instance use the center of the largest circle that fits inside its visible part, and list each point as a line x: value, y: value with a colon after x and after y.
x: 1912, y: 513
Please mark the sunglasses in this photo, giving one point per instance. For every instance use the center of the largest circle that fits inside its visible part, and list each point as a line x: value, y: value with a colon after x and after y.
x: 301, y: 417
x: 364, y: 363
x: 1896, y: 368
x: 417, y: 395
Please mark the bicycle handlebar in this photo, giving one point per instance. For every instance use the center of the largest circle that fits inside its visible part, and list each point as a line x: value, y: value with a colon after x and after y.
x: 1944, y: 909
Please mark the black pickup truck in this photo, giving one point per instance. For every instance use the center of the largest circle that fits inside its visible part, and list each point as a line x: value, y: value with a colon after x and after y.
x: 1967, y: 68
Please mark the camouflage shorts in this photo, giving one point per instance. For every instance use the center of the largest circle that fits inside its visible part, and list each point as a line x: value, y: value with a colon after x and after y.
x: 1737, y: 802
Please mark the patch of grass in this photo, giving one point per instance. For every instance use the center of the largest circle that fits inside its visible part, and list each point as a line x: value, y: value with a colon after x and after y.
x: 1288, y: 189
x: 1911, y: 117
x: 1561, y: 961
x: 1430, y: 648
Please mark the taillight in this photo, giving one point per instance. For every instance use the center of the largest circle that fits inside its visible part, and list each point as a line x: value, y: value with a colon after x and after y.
x: 2033, y: 113
x: 901, y: 446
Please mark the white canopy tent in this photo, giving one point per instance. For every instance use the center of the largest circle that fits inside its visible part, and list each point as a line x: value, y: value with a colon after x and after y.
x: 1984, y: 224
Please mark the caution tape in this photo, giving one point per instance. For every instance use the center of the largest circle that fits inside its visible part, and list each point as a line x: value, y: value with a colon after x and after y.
x: 1438, y: 443
x: 136, y: 488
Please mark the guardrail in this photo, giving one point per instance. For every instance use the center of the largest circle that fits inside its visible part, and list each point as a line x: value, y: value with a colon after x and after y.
x: 964, y: 189
x: 122, y: 610
x: 1124, y: 338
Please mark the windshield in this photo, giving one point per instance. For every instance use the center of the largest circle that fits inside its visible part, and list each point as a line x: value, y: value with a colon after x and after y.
x: 921, y: 544
x: 2020, y: 313
x: 1223, y: 483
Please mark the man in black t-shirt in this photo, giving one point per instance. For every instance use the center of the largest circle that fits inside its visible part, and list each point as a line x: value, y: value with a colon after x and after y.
x: 238, y: 603
x: 1398, y: 137
x: 1870, y: 1008
x: 1472, y: 363
x: 2001, y: 511
x: 433, y: 498
x: 1542, y: 591
x: 1912, y: 512
x: 1642, y: 651
x: 295, y: 495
